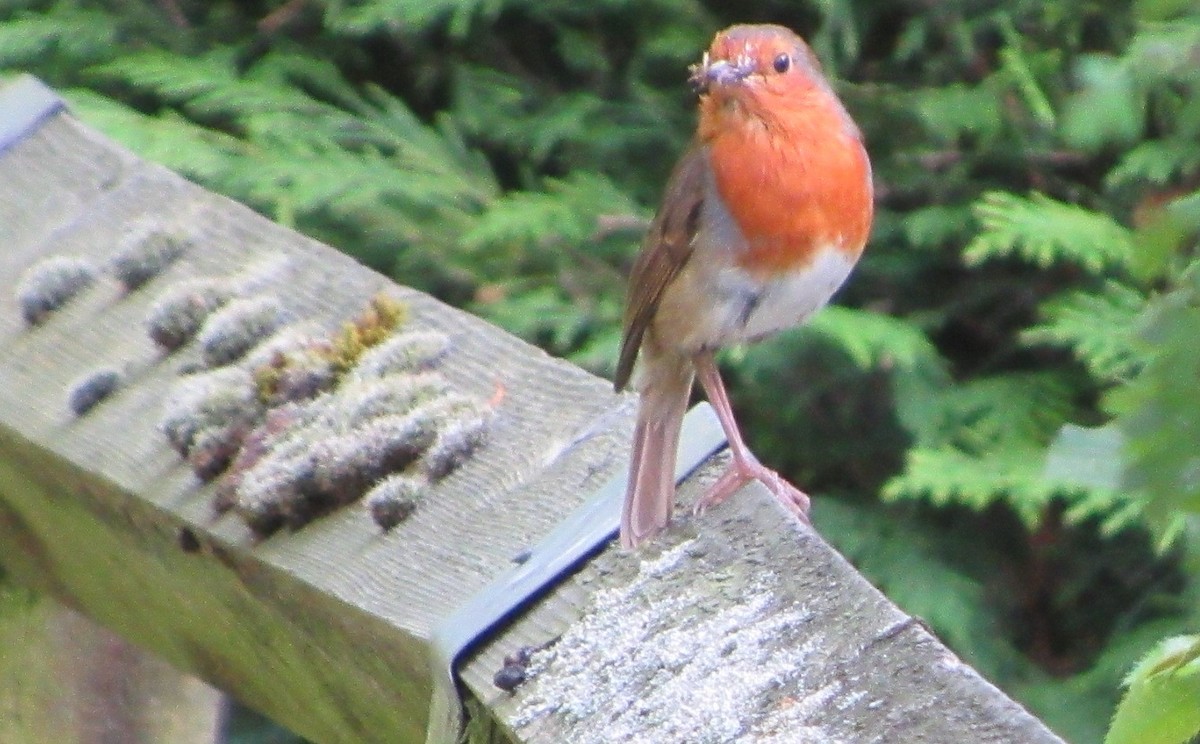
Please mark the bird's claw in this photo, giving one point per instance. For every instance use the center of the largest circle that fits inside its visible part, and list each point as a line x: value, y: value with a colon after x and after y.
x: 740, y: 473
x: 792, y: 498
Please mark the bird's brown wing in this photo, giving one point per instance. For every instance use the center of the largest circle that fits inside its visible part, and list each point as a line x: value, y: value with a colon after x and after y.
x: 665, y: 251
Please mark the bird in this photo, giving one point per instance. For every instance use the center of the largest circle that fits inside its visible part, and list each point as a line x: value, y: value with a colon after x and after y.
x: 761, y: 221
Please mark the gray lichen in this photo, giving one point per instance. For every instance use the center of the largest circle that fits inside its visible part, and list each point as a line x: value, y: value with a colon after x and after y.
x: 86, y: 392
x: 410, y: 351
x: 394, y: 499
x: 146, y: 249
x: 51, y: 283
x: 237, y: 327
x: 220, y: 401
x: 179, y: 312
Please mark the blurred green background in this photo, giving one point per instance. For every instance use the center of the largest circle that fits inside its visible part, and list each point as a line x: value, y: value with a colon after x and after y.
x: 999, y: 419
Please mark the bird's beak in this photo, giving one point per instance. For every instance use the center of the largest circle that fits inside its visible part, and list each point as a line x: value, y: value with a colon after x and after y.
x: 719, y: 73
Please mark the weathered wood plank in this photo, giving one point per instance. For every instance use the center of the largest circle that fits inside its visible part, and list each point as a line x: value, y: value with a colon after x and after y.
x: 327, y: 628
x: 740, y: 625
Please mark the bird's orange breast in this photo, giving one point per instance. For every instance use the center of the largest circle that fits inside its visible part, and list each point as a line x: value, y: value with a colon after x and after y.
x: 796, y: 182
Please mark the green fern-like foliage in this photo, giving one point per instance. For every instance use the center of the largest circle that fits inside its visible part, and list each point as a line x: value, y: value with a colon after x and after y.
x: 72, y: 35
x: 1158, y: 162
x: 1045, y: 231
x: 946, y: 476
x: 362, y: 18
x: 979, y: 444
x: 1098, y: 327
x: 872, y: 340
x: 1158, y: 411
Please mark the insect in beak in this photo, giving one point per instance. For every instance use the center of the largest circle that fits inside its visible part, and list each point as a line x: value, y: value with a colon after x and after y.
x: 720, y: 73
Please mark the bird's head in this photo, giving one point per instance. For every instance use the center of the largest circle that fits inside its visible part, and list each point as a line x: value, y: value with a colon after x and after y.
x: 750, y: 60
x: 764, y: 78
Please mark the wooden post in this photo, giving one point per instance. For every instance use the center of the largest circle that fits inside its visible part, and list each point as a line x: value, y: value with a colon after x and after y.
x: 738, y: 623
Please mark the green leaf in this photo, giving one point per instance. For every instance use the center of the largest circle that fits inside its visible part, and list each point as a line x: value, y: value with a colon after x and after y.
x: 1044, y: 231
x: 1161, y: 10
x: 1090, y: 464
x: 1023, y: 409
x: 169, y: 139
x: 1164, y: 52
x: 360, y: 17
x: 981, y: 442
x: 79, y: 35
x: 1162, y: 705
x: 1016, y: 63
x: 937, y: 225
x: 542, y: 315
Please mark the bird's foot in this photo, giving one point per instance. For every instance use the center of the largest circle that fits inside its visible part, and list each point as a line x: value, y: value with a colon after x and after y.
x: 742, y: 471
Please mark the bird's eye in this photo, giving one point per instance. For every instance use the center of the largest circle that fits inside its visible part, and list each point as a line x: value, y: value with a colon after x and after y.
x: 782, y: 63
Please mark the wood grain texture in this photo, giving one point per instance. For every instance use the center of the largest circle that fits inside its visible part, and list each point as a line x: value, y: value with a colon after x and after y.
x: 326, y: 628
x: 739, y: 625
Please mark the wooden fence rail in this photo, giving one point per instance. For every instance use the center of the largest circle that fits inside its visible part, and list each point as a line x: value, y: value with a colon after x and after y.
x: 740, y: 625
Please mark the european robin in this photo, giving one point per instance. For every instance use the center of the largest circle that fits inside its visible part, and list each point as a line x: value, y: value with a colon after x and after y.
x: 763, y: 218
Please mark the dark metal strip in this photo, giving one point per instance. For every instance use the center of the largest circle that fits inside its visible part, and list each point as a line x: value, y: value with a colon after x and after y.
x: 578, y: 536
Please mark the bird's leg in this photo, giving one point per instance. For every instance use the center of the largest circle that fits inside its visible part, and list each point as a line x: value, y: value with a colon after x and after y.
x: 744, y: 467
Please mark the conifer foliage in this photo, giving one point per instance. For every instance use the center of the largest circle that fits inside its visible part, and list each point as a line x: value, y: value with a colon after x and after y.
x: 998, y: 419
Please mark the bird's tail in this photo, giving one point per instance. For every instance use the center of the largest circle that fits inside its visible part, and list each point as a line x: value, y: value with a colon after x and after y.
x: 666, y: 386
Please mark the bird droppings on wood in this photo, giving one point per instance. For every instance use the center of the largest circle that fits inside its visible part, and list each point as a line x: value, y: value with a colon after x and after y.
x: 86, y: 392
x: 51, y: 283
x: 510, y: 677
x: 179, y: 312
x: 634, y: 664
x: 146, y: 249
x: 515, y: 669
x: 239, y: 326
